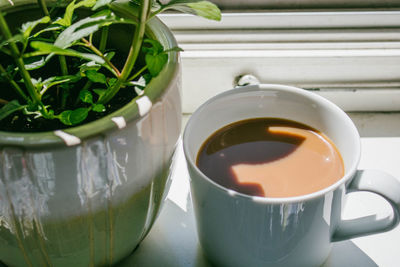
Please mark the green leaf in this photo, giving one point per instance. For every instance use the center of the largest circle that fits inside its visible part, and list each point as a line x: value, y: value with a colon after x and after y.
x: 155, y: 56
x: 174, y: 49
x: 31, y: 64
x: 100, y: 92
x: 50, y: 114
x: 5, y: 50
x: 43, y: 86
x: 77, y: 31
x: 85, y: 27
x: 91, y: 65
x: 28, y: 27
x: 111, y: 82
x: 47, y: 48
x: 101, y: 3
x: 50, y: 82
x: 96, y: 77
x: 17, y: 38
x: 137, y: 3
x: 155, y: 63
x: 86, y: 97
x: 69, y: 11
x: 204, y: 9
x: 36, y: 82
x: 155, y: 47
x: 86, y: 3
x: 147, y: 77
x: 31, y: 107
x: 99, y: 108
x: 8, y: 73
x: 109, y: 55
x: 67, y: 19
x: 103, y: 12
x: 10, y: 108
x: 127, y: 8
x: 72, y: 117
x: 48, y: 29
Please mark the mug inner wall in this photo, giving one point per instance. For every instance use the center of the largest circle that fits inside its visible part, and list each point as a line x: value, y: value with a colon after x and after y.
x: 296, y: 105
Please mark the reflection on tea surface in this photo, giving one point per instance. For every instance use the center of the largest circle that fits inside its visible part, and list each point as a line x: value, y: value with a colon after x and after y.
x: 270, y: 157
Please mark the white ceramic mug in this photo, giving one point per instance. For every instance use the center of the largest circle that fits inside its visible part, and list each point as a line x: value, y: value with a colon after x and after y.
x: 241, y: 230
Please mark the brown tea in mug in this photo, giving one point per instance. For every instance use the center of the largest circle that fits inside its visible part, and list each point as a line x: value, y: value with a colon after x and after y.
x: 270, y: 157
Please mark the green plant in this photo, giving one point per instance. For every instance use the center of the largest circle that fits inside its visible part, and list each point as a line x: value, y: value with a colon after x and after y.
x: 88, y: 79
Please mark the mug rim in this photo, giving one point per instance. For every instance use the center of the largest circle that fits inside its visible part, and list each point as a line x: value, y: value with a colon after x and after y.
x: 286, y: 88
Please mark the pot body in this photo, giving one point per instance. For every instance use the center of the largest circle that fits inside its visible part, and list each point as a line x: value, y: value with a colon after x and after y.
x: 90, y: 201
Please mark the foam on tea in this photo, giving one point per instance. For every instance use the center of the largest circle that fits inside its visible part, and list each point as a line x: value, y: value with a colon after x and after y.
x: 270, y: 157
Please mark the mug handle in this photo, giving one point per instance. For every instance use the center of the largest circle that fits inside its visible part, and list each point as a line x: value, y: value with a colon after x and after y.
x: 380, y: 183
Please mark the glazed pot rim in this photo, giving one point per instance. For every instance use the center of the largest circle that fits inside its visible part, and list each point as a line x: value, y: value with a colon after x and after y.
x: 113, y: 121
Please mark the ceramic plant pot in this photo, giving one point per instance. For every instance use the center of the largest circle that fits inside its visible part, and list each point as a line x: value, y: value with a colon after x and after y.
x: 87, y: 195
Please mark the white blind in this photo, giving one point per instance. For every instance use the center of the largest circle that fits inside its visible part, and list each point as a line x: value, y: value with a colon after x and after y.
x: 350, y: 56
x: 291, y: 4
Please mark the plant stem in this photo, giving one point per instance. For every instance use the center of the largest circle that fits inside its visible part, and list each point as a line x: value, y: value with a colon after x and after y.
x: 87, y: 85
x: 133, y: 53
x: 64, y: 71
x: 137, y: 73
x: 137, y: 41
x: 43, y: 6
x: 64, y: 96
x: 14, y: 84
x: 103, y: 40
x: 155, y: 13
x: 3, y: 101
x: 62, y: 59
x: 27, y: 80
x: 18, y: 60
x: 100, y: 54
x: 63, y: 65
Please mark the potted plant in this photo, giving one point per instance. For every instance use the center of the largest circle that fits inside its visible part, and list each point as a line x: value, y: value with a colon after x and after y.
x: 89, y: 119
